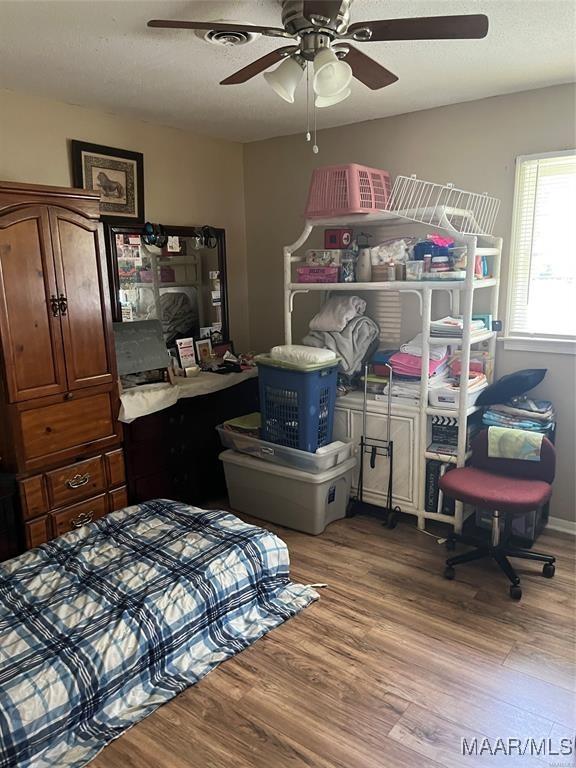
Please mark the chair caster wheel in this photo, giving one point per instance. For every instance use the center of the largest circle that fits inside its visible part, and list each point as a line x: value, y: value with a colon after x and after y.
x: 450, y: 545
x: 449, y: 572
x: 515, y: 592
x: 548, y: 570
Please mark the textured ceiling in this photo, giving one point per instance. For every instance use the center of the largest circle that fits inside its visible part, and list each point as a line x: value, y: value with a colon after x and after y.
x: 100, y: 53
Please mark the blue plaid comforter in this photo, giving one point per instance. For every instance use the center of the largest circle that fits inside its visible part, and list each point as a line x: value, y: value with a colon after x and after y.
x: 104, y: 624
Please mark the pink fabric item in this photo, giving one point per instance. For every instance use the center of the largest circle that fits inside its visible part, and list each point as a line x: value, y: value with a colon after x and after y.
x: 411, y: 365
x: 476, y: 366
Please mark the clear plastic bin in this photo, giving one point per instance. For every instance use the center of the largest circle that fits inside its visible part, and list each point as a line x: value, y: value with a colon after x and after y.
x: 331, y: 455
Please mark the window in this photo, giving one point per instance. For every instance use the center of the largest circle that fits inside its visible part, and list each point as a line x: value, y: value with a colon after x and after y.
x: 542, y: 276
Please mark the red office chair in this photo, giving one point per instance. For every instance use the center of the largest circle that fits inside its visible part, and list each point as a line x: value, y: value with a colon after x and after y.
x: 506, y: 487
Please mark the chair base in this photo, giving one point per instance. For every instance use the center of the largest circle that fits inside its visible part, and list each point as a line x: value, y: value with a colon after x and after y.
x: 500, y: 555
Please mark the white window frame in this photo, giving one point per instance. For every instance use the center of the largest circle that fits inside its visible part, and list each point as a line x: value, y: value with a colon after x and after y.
x: 524, y: 341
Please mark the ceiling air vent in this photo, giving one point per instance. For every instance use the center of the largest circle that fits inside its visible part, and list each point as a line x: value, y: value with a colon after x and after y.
x: 231, y: 37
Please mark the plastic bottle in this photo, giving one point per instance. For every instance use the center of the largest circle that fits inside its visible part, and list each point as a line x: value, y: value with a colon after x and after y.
x: 364, y: 266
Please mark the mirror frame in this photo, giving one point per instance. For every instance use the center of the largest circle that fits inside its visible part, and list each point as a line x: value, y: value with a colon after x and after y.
x: 125, y: 229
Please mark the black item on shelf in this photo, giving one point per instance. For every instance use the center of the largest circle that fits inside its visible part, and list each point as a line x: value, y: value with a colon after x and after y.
x: 433, y: 474
x: 512, y: 384
x: 445, y: 428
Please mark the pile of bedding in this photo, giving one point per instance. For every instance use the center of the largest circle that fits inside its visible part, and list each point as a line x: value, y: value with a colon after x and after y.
x: 104, y: 624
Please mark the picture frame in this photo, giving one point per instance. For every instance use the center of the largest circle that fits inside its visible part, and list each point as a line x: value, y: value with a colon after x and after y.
x: 203, y: 351
x: 117, y: 174
x: 220, y: 348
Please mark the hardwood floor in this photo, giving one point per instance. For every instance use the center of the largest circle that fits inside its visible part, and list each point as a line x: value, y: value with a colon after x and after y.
x: 391, y: 668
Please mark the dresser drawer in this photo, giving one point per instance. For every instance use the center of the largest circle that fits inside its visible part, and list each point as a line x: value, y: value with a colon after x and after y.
x: 62, y: 430
x: 75, y: 481
x: 33, y: 498
x: 115, y: 468
x: 37, y: 532
x: 118, y: 499
x: 76, y: 516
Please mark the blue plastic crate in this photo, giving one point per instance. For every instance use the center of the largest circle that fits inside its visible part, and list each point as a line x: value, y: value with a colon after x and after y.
x: 297, y: 406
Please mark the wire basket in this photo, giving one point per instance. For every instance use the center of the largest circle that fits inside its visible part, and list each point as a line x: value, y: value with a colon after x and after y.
x: 443, y: 205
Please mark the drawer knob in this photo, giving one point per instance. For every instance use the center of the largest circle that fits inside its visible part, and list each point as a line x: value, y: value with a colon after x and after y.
x: 78, y: 480
x: 83, y: 519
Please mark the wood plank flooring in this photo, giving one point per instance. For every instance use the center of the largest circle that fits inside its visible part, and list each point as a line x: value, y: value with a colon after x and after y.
x: 391, y: 668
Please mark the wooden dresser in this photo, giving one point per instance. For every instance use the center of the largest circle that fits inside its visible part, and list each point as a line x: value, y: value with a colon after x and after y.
x: 59, y: 432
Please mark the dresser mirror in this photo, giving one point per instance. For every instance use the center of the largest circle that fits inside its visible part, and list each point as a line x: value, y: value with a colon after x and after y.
x: 181, y: 281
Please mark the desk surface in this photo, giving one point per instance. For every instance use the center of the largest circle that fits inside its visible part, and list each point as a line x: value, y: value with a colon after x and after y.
x: 149, y: 398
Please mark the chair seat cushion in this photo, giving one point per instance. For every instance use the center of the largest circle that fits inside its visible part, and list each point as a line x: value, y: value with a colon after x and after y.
x: 491, y: 491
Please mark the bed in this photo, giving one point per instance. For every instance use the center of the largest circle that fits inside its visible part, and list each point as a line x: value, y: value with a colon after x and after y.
x: 101, y: 626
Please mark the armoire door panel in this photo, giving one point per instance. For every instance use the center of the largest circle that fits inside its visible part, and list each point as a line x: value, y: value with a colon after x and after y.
x: 82, y: 283
x: 31, y: 332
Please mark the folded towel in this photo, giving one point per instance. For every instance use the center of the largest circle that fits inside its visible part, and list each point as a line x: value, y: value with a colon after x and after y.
x: 337, y: 313
x: 402, y: 362
x: 505, y: 443
x: 414, y: 347
x: 352, y: 345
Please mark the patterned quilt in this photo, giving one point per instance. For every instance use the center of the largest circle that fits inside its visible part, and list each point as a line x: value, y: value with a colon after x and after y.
x: 101, y: 626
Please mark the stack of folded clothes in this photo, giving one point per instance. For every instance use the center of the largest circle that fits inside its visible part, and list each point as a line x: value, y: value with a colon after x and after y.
x: 407, y: 368
x: 453, y: 327
x: 522, y: 412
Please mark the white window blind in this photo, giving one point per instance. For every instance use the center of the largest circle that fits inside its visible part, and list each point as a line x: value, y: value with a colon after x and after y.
x: 542, y: 277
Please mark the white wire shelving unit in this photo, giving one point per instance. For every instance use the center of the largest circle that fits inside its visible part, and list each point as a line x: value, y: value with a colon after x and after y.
x: 443, y: 208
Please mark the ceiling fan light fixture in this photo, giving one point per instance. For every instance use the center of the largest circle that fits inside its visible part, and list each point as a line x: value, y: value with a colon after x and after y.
x: 328, y: 101
x: 331, y: 75
x: 285, y: 78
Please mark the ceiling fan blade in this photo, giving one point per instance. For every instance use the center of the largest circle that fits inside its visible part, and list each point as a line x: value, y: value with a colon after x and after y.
x: 473, y: 26
x: 328, y: 9
x: 218, y: 27
x: 261, y: 64
x: 368, y: 71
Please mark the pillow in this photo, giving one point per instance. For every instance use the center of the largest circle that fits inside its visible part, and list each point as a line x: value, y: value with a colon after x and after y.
x: 298, y: 353
x: 511, y: 385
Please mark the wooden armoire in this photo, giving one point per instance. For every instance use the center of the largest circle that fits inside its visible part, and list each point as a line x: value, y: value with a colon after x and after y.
x: 59, y: 432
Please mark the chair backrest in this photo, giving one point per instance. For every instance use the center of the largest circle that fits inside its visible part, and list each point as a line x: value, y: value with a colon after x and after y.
x: 530, y: 470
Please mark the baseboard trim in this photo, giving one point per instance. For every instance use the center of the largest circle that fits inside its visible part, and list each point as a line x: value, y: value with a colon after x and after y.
x: 564, y: 526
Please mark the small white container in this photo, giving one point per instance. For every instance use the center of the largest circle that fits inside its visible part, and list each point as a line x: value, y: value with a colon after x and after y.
x: 449, y: 397
x: 364, y: 266
x: 286, y: 496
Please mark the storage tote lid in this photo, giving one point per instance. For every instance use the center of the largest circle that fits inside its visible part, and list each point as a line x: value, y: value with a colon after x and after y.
x: 249, y: 462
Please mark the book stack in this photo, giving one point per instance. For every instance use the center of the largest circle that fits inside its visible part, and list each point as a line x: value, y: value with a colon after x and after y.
x: 434, y: 471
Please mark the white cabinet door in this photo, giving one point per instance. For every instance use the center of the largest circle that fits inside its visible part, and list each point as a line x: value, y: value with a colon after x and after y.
x: 341, y: 429
x: 404, y: 439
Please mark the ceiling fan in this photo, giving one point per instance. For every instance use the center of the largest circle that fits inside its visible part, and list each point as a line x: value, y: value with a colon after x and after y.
x: 320, y: 32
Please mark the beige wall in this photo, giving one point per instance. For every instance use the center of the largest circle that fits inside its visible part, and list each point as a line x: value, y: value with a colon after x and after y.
x: 189, y: 180
x: 473, y: 145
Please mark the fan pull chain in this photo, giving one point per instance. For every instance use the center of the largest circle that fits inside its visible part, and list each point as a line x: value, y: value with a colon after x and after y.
x: 315, y: 145
x: 308, y: 136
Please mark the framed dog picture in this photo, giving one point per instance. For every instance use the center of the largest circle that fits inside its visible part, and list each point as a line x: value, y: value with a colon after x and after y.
x: 117, y: 174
